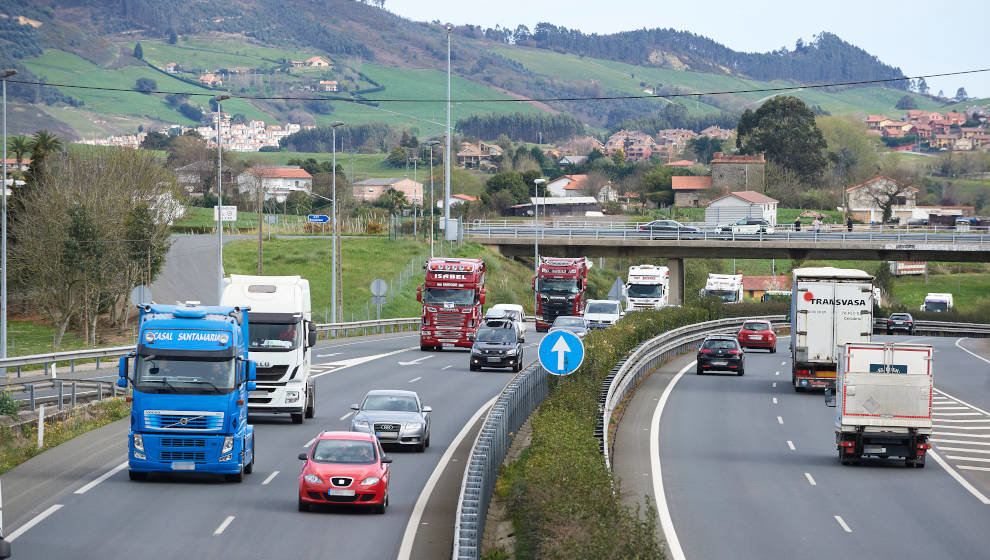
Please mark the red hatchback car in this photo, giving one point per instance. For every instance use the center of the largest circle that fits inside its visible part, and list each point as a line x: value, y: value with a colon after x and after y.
x: 345, y: 468
x: 757, y: 334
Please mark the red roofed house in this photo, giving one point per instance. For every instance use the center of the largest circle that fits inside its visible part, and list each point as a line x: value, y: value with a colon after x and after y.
x: 479, y: 156
x: 211, y: 80
x: 873, y: 122
x: 862, y: 200
x: 680, y: 163
x: 637, y: 145
x: 755, y: 286
x: 687, y: 189
x: 318, y: 61
x: 737, y: 205
x: 276, y: 182
x: 569, y: 185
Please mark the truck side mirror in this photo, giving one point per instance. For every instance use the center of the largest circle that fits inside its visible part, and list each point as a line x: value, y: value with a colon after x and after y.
x: 122, y: 372
x: 310, y: 334
x: 419, y: 294
x: 829, y: 397
x: 481, y: 299
x: 252, y: 372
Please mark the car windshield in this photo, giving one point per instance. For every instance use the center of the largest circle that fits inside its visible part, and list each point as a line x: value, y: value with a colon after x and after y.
x: 396, y: 403
x: 274, y: 337
x: 500, y: 336
x: 568, y: 322
x: 900, y: 317
x: 756, y: 326
x: 604, y: 308
x: 440, y: 296
x: 720, y: 344
x: 351, y: 452
x: 555, y: 285
x: 644, y: 290
x: 183, y: 375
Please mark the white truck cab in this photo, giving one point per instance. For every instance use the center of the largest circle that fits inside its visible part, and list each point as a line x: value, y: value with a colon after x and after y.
x: 647, y: 287
x: 726, y: 287
x: 281, y: 333
x: 937, y: 302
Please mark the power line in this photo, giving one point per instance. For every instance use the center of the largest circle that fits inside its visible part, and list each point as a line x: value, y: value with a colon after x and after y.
x: 522, y: 100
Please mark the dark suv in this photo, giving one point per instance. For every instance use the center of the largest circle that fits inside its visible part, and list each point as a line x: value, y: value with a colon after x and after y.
x: 497, y: 347
x: 721, y: 352
x: 900, y: 322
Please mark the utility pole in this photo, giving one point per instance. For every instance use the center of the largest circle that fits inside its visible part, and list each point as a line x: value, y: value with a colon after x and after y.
x: 446, y: 167
x: 261, y: 216
x: 219, y: 99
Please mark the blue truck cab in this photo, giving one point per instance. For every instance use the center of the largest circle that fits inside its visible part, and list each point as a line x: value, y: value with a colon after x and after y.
x: 190, y: 379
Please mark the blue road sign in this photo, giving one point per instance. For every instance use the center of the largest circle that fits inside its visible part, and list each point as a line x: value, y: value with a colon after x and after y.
x: 318, y: 218
x: 561, y: 352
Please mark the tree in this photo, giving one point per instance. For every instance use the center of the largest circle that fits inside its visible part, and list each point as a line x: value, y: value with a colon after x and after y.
x: 42, y: 144
x: 923, y: 86
x: 961, y: 95
x: 19, y: 145
x: 705, y: 148
x: 392, y: 200
x: 619, y: 157
x: 885, y: 194
x: 784, y: 128
x: 145, y: 85
x: 156, y: 141
x: 191, y: 112
x: 511, y: 182
x: 138, y: 51
x: 851, y: 151
x: 905, y: 103
x: 298, y: 203
x: 172, y: 37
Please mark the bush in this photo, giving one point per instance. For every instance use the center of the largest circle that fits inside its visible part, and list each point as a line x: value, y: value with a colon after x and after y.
x: 145, y: 85
x: 8, y: 404
x: 373, y: 227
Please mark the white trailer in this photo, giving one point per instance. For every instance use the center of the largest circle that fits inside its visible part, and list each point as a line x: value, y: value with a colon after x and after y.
x: 647, y: 287
x: 281, y: 335
x: 908, y: 268
x: 726, y: 287
x: 829, y: 307
x: 937, y: 302
x: 883, y: 402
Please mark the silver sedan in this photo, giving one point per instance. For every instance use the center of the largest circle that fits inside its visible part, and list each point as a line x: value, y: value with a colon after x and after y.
x: 395, y: 417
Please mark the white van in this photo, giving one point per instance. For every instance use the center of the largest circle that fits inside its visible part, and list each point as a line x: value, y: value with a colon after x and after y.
x: 517, y: 313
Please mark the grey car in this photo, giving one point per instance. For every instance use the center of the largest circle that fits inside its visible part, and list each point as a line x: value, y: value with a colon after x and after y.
x: 574, y: 324
x: 395, y: 417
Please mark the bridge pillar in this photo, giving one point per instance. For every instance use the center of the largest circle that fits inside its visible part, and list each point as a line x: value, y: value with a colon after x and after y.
x: 677, y: 282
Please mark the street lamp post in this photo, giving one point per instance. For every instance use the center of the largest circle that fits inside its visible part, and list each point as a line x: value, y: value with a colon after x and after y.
x: 3, y: 316
x: 536, y: 234
x: 446, y: 167
x: 219, y: 99
x: 432, y: 144
x: 333, y: 225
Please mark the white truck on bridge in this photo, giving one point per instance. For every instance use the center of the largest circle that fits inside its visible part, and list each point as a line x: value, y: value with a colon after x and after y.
x: 726, y: 287
x: 829, y: 307
x: 281, y: 335
x: 647, y: 287
x: 883, y: 402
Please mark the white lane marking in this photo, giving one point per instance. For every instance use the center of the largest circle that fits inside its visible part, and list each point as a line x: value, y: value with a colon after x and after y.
x: 360, y: 360
x: 971, y: 407
x: 223, y: 525
x: 346, y: 416
x: 780, y: 420
x: 961, y: 435
x: 405, y: 550
x: 774, y: 384
x: 328, y: 355
x: 811, y: 480
x: 968, y: 468
x: 790, y: 444
x: 777, y: 373
x: 416, y: 361
x: 666, y: 522
x: 783, y: 363
x: 977, y: 356
x: 445, y: 367
x: 775, y: 400
x: 842, y: 524
x: 967, y: 421
x: 962, y: 458
x: 965, y: 483
x: 415, y: 379
x: 34, y: 521
x: 938, y: 412
x: 963, y: 449
x: 960, y: 427
x: 310, y: 442
x: 101, y: 478
x: 270, y: 477
x: 940, y: 440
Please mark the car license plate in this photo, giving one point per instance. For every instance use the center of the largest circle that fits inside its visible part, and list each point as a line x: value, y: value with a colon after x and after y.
x: 183, y: 466
x: 755, y: 337
x: 874, y: 449
x: 335, y: 492
x: 386, y: 435
x: 898, y: 323
x: 719, y: 363
x: 493, y: 359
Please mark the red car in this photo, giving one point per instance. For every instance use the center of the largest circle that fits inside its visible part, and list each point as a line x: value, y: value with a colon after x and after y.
x: 757, y: 334
x: 345, y: 468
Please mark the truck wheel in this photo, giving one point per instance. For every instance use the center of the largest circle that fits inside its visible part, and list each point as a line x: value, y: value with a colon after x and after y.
x: 424, y: 348
x: 134, y: 475
x: 237, y: 477
x: 311, y: 402
x: 296, y: 418
x: 249, y: 468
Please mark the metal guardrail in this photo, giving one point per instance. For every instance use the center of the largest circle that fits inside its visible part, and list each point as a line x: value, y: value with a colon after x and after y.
x: 514, y: 405
x: 647, y: 356
x: 939, y: 328
x: 78, y: 390
x: 71, y: 356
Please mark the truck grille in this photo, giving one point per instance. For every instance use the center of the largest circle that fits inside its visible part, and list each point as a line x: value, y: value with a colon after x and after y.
x: 184, y: 456
x: 274, y: 373
x: 183, y: 420
x: 183, y: 442
x: 448, y: 334
x: 447, y: 319
x: 262, y: 395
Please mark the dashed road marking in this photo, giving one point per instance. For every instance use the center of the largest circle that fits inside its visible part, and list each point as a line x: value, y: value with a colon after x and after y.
x: 224, y: 525
x: 310, y: 442
x: 346, y: 416
x: 270, y: 477
x: 102, y: 477
x: 842, y: 524
x: 775, y: 400
x: 791, y: 445
x: 780, y: 420
x: 34, y: 521
x: 415, y: 379
x: 811, y: 480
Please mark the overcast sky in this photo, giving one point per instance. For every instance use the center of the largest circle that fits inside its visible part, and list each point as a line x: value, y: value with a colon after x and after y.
x: 919, y: 37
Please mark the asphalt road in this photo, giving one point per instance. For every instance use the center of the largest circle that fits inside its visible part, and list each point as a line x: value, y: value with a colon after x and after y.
x: 52, y: 509
x: 748, y: 468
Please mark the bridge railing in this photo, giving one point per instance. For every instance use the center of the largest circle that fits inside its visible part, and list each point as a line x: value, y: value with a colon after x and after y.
x: 618, y: 225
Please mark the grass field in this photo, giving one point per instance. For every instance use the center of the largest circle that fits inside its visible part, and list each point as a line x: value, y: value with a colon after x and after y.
x: 966, y: 288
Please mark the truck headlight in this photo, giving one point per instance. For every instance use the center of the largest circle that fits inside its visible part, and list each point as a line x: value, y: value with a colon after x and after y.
x: 312, y: 479
x: 138, y: 455
x: 370, y: 480
x: 139, y: 442
x: 291, y: 396
x: 228, y: 444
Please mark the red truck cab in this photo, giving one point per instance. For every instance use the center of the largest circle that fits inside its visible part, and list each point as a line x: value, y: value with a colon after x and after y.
x: 452, y: 295
x: 560, y: 286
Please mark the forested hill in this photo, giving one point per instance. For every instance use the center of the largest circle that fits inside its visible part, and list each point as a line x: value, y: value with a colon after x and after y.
x: 826, y: 58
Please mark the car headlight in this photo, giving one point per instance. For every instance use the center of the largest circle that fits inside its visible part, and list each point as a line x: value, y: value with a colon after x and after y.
x: 291, y: 396
x: 312, y: 479
x: 511, y: 352
x: 139, y: 442
x: 370, y: 480
x: 413, y: 426
x: 228, y: 444
x: 360, y: 424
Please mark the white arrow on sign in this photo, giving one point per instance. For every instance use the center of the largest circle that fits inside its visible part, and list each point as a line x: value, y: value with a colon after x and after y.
x: 416, y: 361
x: 561, y: 348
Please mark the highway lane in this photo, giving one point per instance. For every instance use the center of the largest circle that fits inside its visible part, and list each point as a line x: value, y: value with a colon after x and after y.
x: 749, y: 468
x: 172, y: 517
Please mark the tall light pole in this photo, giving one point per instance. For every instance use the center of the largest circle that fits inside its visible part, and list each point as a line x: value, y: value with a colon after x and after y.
x: 333, y: 225
x: 219, y: 99
x: 3, y: 315
x: 432, y: 144
x: 446, y: 167
x: 536, y: 244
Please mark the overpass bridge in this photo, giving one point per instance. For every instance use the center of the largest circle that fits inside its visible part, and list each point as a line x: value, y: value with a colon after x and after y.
x: 627, y: 240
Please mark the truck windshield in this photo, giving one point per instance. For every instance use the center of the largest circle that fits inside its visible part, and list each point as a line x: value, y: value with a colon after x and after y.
x: 645, y: 290
x: 440, y: 296
x: 274, y: 337
x: 554, y: 285
x: 936, y: 306
x: 183, y: 375
x: 724, y: 295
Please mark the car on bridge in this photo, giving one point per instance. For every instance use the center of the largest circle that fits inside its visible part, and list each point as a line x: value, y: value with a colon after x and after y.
x: 346, y: 468
x: 668, y: 225
x: 900, y: 322
x: 396, y: 416
x: 496, y: 347
x: 721, y: 352
x: 748, y: 226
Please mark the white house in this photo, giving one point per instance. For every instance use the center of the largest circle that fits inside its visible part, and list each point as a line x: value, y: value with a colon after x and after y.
x: 734, y: 206
x: 568, y: 186
x: 863, y: 199
x: 276, y: 182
